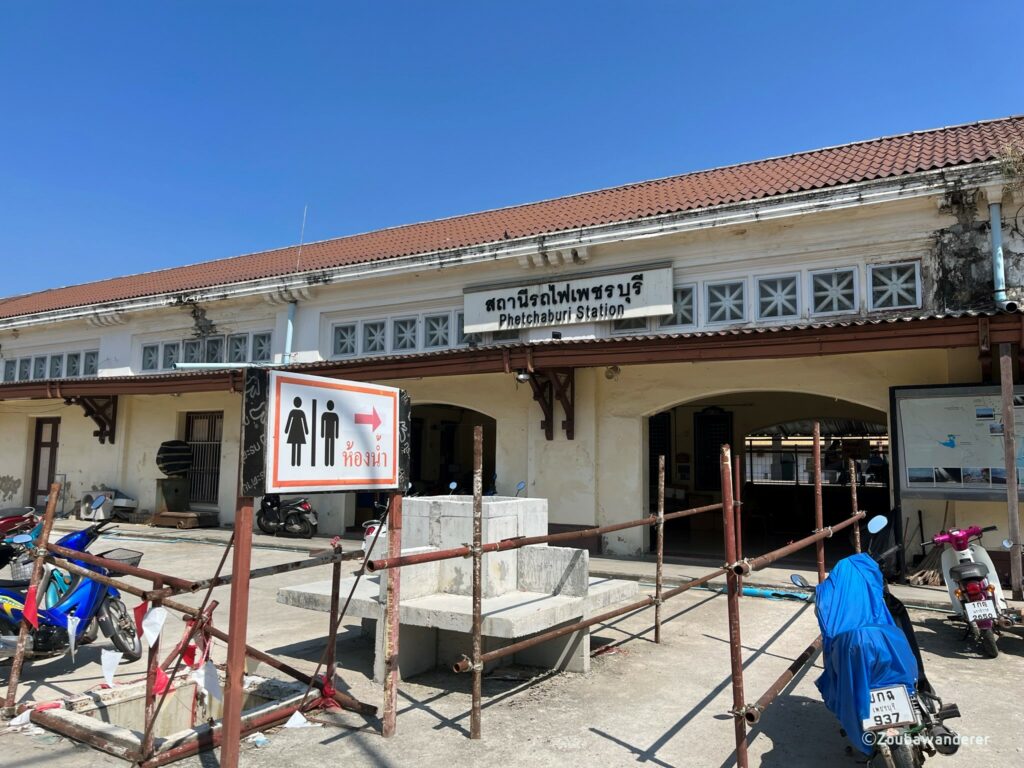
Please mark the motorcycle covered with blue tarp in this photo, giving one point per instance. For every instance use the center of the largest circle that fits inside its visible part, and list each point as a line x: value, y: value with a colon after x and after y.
x: 873, y: 679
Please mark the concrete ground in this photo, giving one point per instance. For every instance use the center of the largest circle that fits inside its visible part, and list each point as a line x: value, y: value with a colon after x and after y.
x: 641, y: 703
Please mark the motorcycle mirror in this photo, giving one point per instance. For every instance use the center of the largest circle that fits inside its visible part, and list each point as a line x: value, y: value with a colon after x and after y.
x: 520, y: 485
x: 21, y: 538
x: 1007, y: 544
x: 800, y: 581
x: 877, y: 523
x: 452, y: 486
x: 99, y: 501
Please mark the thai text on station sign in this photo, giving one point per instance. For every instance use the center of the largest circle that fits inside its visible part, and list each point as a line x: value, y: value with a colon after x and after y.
x: 330, y: 435
x: 585, y: 299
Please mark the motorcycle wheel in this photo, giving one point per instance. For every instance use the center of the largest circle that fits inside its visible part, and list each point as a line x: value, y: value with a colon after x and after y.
x: 299, y: 526
x: 265, y: 526
x: 988, y: 643
x: 119, y: 625
x: 905, y: 756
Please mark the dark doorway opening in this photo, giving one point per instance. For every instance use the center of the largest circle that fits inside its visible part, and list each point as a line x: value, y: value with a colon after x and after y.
x: 203, y: 433
x: 44, y: 459
x: 442, y: 449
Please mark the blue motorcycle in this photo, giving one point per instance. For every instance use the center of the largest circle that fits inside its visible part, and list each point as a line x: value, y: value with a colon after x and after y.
x: 63, y: 595
x: 873, y: 679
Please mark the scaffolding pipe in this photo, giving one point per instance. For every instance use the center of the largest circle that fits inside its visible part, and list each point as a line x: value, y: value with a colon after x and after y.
x: 733, y: 607
x: 328, y: 558
x: 753, y: 713
x: 117, y: 566
x: 737, y: 500
x: 523, y: 541
x: 746, y: 567
x: 478, y: 525
x: 465, y: 665
x: 660, y: 556
x: 391, y: 621
x: 819, y: 519
x: 853, y: 503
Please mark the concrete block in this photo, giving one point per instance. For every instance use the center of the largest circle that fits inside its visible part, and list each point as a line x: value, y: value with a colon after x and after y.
x: 417, y: 651
x: 499, y: 568
x: 570, y: 653
x: 452, y: 646
x: 554, y: 570
x: 417, y: 580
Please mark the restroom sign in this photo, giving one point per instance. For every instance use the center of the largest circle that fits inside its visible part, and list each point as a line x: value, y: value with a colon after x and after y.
x: 327, y: 434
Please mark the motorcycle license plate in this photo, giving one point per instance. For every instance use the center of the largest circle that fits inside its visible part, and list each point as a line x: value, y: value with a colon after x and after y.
x: 890, y: 707
x: 980, y: 610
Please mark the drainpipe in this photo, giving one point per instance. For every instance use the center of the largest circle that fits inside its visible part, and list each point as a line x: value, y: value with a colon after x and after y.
x: 995, y: 214
x: 291, y: 323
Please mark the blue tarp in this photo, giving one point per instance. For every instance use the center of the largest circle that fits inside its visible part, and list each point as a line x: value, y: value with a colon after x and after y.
x: 863, y: 648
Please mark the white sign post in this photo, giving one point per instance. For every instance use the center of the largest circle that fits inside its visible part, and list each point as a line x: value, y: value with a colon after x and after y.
x: 330, y: 435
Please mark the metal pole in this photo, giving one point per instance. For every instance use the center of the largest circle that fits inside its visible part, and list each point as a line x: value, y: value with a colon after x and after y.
x: 753, y: 714
x: 745, y: 567
x: 737, y: 500
x: 733, y: 606
x: 1010, y: 458
x: 238, y: 617
x: 37, y: 574
x: 660, y: 531
x: 332, y: 634
x: 478, y: 529
x: 152, y: 665
x: 853, y: 503
x: 391, y: 620
x: 819, y: 519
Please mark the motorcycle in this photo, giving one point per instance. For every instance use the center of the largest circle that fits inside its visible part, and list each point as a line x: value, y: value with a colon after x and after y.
x: 370, y: 527
x: 13, y: 521
x: 874, y: 680
x: 292, y: 518
x: 89, y: 605
x: 973, y: 584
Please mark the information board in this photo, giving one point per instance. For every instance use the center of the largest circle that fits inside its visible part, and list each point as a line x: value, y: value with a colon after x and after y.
x: 949, y: 441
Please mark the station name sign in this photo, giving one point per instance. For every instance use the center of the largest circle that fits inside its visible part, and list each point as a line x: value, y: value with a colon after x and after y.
x: 591, y: 298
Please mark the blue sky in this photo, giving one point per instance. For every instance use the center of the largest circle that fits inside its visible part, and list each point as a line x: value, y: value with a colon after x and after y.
x: 136, y: 136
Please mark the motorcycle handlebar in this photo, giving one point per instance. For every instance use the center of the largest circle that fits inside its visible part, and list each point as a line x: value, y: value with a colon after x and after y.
x: 988, y: 528
x: 888, y: 553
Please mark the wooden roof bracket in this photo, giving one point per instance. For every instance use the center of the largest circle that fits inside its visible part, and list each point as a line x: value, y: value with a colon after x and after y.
x: 554, y: 385
x: 103, y: 411
x: 984, y: 350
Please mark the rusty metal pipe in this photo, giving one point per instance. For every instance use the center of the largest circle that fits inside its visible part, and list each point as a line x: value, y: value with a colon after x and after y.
x: 733, y: 608
x: 660, y: 555
x: 320, y: 558
x: 152, y: 665
x: 478, y: 526
x: 119, y: 567
x: 819, y: 520
x: 391, y: 621
x: 238, y: 621
x: 37, y: 574
x: 737, y: 500
x: 465, y: 665
x: 853, y: 503
x: 46, y: 718
x: 746, y: 567
x: 523, y: 541
x: 753, y: 713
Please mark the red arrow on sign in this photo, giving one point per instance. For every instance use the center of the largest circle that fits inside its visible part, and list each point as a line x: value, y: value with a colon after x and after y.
x: 373, y: 419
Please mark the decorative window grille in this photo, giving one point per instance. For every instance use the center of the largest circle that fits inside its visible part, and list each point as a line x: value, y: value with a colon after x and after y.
x: 403, y: 334
x: 629, y: 324
x: 374, y: 337
x: 56, y: 366
x: 10, y: 370
x: 834, y: 292
x: 895, y: 286
x: 193, y: 351
x: 345, y: 339
x: 462, y: 336
x: 39, y: 368
x: 683, y: 309
x: 24, y: 369
x: 261, y: 349
x: 74, y: 364
x: 726, y: 302
x: 171, y: 353
x: 777, y: 297
x: 214, y: 349
x: 150, y: 357
x: 238, y: 347
x: 436, y: 331
x: 91, y: 363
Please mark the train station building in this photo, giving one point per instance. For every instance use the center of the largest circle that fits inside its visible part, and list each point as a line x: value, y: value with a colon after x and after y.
x: 589, y: 335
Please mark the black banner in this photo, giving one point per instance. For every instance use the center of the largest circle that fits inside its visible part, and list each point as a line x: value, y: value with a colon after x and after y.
x: 254, y: 432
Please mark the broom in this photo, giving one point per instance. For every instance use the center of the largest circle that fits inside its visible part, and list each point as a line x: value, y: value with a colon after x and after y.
x: 929, y: 572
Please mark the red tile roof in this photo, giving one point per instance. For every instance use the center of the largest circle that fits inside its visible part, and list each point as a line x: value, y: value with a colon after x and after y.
x: 863, y: 161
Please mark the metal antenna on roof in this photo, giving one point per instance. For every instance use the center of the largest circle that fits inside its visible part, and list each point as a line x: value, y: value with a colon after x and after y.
x: 302, y: 236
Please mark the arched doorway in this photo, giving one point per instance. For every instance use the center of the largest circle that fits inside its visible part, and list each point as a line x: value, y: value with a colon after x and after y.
x: 770, y: 434
x: 442, y: 448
